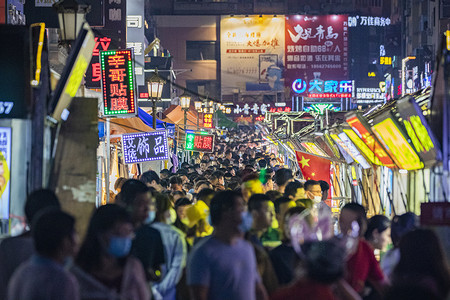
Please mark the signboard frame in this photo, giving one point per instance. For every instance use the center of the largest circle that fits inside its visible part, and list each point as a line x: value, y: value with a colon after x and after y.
x: 130, y: 88
x: 197, y: 149
x: 142, y: 145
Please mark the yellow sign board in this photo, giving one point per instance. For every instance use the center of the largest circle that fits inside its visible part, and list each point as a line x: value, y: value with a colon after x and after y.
x: 392, y: 138
x: 362, y: 146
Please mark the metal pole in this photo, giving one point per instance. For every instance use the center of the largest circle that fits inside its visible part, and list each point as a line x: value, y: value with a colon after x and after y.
x: 154, y: 113
x: 108, y: 157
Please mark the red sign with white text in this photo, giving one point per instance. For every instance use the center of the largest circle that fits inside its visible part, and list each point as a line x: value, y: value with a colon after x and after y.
x: 316, y: 47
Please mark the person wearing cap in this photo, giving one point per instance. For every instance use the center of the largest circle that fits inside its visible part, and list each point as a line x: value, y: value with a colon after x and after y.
x: 197, y: 216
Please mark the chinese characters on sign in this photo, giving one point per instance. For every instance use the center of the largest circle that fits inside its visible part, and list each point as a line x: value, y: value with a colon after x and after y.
x: 385, y: 60
x: 316, y: 46
x: 252, y: 51
x: 200, y: 142
x: 148, y: 146
x: 118, y: 83
x: 5, y: 165
x: 318, y: 88
x: 135, y: 36
x: 368, y: 21
x: 369, y: 95
x: 208, y: 120
x: 111, y: 36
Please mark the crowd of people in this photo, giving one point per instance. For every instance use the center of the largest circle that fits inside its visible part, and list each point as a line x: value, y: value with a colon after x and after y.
x: 235, y: 224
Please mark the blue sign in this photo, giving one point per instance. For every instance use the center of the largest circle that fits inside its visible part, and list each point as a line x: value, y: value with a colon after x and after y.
x: 147, y: 146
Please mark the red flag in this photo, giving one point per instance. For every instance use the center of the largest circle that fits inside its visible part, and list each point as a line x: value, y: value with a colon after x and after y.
x: 314, y: 167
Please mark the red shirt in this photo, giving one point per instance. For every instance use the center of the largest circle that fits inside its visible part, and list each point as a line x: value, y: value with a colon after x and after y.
x: 304, y: 289
x: 363, y: 266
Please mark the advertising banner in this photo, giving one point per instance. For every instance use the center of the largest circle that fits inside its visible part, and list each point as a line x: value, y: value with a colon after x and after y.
x: 252, y: 53
x: 5, y: 166
x: 147, y: 146
x: 200, y: 142
x: 317, y: 53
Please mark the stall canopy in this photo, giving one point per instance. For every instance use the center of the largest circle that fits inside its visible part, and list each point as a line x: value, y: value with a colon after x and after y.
x: 148, y: 120
x: 176, y: 114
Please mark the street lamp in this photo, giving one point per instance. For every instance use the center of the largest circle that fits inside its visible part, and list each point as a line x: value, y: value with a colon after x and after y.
x: 155, y: 86
x: 198, y: 108
x: 71, y: 18
x: 185, y: 103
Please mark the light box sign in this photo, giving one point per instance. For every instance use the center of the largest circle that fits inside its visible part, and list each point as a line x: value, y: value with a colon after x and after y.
x: 318, y: 88
x: 208, y: 120
x: 343, y: 140
x: 118, y: 86
x: 363, y: 133
x: 200, y: 142
x: 5, y: 166
x: 147, y: 146
x: 362, y: 146
x: 314, y: 149
x: 389, y: 133
x: 316, y: 45
x: 419, y: 131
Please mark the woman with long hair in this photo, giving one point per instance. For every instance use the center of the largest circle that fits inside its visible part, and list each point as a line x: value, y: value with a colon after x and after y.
x: 103, y: 267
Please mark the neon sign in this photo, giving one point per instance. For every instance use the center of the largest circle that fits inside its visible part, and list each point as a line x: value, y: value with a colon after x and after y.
x: 147, y: 146
x: 118, y: 83
x: 320, y: 108
x: 200, y: 142
x: 390, y: 135
x: 208, y: 120
x: 280, y: 109
x: 318, y: 88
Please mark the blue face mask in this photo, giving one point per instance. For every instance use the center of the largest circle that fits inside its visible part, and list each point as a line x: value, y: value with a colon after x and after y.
x: 119, y: 246
x: 247, y: 221
x: 150, y: 217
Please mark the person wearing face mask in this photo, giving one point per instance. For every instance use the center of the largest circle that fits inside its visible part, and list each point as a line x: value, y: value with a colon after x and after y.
x: 175, y: 249
x: 103, y: 267
x: 313, y: 190
x: 147, y: 244
x: 44, y: 275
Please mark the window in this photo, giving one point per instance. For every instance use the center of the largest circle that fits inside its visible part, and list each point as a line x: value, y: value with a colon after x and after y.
x: 208, y: 88
x: 200, y: 50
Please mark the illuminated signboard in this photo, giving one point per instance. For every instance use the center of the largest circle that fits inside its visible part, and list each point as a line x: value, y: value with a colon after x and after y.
x: 73, y: 73
x: 200, y: 142
x: 329, y: 141
x: 393, y: 139
x: 280, y: 109
x: 318, y: 88
x: 320, y: 108
x: 343, y: 141
x: 369, y: 95
x: 314, y: 149
x: 385, y: 60
x: 362, y: 146
x: 118, y: 83
x: 418, y: 130
x: 5, y: 160
x: 354, y: 21
x: 361, y: 129
x: 147, y: 146
x: 208, y: 120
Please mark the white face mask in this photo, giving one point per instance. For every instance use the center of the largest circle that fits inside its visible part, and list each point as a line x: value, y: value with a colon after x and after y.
x: 171, y: 216
x: 317, y: 199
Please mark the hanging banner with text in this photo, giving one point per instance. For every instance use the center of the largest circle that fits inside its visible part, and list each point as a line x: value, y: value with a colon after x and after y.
x: 5, y: 166
x: 111, y: 36
x: 252, y: 53
x: 316, y: 51
x: 119, y: 97
x: 147, y: 146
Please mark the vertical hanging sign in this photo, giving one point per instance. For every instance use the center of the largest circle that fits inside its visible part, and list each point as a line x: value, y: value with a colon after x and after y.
x: 5, y: 166
x: 118, y: 87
